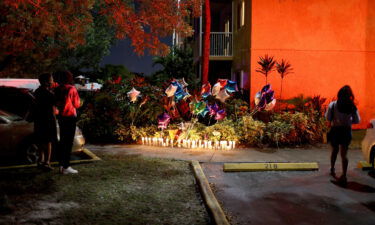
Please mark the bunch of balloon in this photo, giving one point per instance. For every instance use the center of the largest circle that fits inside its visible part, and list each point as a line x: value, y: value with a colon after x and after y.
x: 176, y: 92
x: 264, y: 99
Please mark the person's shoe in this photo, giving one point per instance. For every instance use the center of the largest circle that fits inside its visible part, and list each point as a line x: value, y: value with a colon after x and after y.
x: 47, y: 167
x: 332, y: 173
x: 39, y: 165
x: 342, y: 181
x: 69, y: 170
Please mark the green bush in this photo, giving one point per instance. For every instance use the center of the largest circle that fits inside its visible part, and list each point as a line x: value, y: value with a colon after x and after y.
x: 250, y: 131
x: 223, y: 130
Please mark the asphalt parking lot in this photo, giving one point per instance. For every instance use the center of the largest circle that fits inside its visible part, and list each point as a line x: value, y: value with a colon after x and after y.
x: 278, y: 197
x: 293, y: 197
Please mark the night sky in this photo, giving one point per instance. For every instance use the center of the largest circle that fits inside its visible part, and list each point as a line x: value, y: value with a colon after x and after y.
x: 122, y: 53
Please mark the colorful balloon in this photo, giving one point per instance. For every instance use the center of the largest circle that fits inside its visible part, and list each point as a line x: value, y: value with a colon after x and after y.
x: 163, y: 120
x: 199, y: 107
x: 223, y: 95
x: 220, y: 115
x: 270, y: 105
x: 231, y: 86
x: 213, y: 109
x: 205, y: 111
x: 216, y: 89
x: 206, y: 90
x: 222, y: 82
x: 265, y: 97
x: 182, y: 82
x: 171, y: 90
x: 257, y: 98
x: 133, y: 95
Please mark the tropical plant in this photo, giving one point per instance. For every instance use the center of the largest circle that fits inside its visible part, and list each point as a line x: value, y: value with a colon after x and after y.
x: 267, y: 63
x: 299, y: 103
x: 283, y: 68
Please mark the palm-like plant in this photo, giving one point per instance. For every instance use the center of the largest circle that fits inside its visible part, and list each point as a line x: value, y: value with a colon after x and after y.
x: 267, y: 63
x: 283, y: 69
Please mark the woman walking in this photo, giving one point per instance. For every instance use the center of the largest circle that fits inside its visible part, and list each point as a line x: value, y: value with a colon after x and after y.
x: 341, y: 114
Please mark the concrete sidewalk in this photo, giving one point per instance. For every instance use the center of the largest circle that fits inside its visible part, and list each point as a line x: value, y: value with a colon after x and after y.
x: 314, y: 154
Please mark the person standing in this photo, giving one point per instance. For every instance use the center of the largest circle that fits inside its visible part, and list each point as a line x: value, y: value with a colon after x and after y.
x: 341, y: 114
x: 45, y: 121
x: 67, y: 102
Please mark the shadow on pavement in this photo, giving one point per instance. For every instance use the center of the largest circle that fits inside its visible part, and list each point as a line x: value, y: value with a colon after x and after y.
x: 355, y: 186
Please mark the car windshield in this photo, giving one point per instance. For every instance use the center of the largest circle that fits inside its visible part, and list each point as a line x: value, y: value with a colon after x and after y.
x: 10, y: 116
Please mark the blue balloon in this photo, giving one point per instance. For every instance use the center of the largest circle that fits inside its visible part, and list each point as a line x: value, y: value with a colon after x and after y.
x: 205, y: 111
x: 231, y: 86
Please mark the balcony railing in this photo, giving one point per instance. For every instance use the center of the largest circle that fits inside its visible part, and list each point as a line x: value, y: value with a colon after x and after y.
x: 221, y: 44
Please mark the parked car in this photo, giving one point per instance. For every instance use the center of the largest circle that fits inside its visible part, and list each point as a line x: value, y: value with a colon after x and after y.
x: 368, y: 143
x: 16, y: 127
x: 17, y: 139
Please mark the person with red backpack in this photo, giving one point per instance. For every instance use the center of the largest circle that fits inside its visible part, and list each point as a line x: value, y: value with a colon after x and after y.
x: 67, y: 101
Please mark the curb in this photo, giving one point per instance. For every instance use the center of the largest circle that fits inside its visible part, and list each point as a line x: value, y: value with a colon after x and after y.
x: 211, y: 202
x: 92, y: 158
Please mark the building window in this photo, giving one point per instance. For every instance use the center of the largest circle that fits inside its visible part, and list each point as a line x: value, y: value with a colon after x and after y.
x: 241, y: 14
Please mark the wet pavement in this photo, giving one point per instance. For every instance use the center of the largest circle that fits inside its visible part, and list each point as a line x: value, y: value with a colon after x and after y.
x: 278, y: 197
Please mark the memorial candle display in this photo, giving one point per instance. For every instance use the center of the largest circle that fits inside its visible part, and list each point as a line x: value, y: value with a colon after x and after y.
x: 187, y: 143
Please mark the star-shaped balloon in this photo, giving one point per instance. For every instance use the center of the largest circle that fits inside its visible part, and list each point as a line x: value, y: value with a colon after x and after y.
x: 163, y: 120
x: 182, y: 82
x: 206, y: 90
x: 171, y: 90
x: 270, y: 105
x: 220, y: 115
x: 264, y: 97
x: 213, y: 109
x: 133, y: 95
x: 231, y: 86
x: 223, y: 95
x: 216, y: 89
x: 222, y: 82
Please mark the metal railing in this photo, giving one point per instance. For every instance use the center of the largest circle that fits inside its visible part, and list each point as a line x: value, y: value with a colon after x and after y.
x: 221, y: 44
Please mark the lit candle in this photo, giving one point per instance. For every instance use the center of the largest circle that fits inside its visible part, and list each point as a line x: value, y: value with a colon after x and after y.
x: 216, y: 144
x: 209, y: 144
x: 205, y: 144
x: 172, y: 143
x: 234, y: 144
x: 143, y: 140
x: 167, y: 142
x: 188, y: 143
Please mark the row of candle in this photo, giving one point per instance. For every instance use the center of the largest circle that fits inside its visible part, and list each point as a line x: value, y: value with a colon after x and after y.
x: 187, y: 143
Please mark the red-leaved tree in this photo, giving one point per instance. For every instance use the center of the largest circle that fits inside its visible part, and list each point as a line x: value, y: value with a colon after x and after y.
x: 35, y: 31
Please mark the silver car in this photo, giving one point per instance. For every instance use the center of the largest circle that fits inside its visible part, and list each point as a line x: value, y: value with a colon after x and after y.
x: 368, y: 143
x: 17, y: 143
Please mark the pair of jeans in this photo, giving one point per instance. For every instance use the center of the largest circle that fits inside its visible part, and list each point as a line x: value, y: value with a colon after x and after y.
x: 67, y: 132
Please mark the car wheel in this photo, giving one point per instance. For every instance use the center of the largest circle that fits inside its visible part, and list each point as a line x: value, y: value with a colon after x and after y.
x: 31, y: 154
x: 28, y: 152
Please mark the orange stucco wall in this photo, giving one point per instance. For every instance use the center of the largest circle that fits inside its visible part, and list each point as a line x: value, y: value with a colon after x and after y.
x: 329, y: 43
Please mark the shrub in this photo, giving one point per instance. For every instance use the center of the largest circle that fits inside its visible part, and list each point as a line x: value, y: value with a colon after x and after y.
x: 250, y: 131
x: 224, y: 130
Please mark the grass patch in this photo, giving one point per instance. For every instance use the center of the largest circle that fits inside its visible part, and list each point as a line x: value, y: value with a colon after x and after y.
x: 121, y: 189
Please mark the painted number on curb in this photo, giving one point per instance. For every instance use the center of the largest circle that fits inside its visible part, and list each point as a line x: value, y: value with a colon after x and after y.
x: 270, y: 166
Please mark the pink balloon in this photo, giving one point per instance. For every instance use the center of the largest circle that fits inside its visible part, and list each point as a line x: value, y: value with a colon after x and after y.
x: 133, y: 95
x: 220, y: 115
